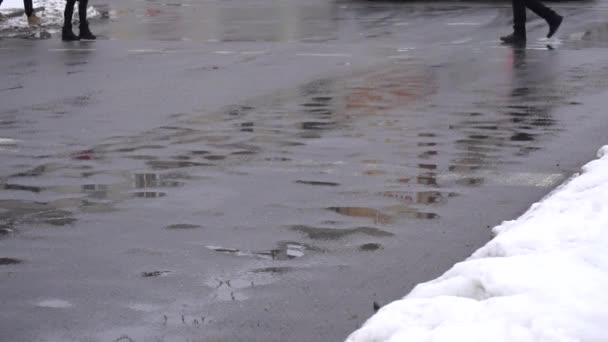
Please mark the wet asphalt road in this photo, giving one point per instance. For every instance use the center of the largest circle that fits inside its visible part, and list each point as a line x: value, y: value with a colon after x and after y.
x: 264, y: 171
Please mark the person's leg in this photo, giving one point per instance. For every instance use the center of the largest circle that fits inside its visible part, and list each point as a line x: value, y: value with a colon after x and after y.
x: 519, y: 17
x: 82, y: 10
x: 552, y: 18
x: 29, y: 7
x: 519, y: 24
x: 67, y: 34
x: 85, y: 32
x: 32, y: 19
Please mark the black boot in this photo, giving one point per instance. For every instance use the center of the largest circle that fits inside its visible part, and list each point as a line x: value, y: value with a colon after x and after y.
x: 67, y: 35
x: 515, y: 38
x: 554, y: 24
x: 85, y: 33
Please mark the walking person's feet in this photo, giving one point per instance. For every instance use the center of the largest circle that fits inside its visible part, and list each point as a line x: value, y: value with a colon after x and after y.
x: 33, y: 20
x: 554, y: 24
x: 514, y: 39
x: 67, y: 35
x: 85, y: 32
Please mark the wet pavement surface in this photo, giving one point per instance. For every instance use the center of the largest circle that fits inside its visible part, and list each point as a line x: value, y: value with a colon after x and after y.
x: 263, y: 171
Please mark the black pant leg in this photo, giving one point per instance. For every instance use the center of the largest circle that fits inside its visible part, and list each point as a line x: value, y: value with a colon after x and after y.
x: 68, y: 13
x: 82, y: 11
x: 29, y: 7
x: 519, y: 16
x: 539, y: 9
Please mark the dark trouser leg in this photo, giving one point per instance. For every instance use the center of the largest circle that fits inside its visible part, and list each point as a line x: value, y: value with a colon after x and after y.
x: 519, y: 17
x: 85, y: 32
x: 29, y: 8
x: 82, y: 11
x: 68, y: 13
x: 67, y: 34
x: 539, y: 9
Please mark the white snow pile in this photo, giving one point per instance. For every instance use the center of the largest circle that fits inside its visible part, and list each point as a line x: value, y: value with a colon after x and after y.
x: 544, y: 277
x: 52, y: 14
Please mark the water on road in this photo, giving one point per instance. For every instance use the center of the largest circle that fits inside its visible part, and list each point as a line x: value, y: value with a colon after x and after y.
x: 221, y: 171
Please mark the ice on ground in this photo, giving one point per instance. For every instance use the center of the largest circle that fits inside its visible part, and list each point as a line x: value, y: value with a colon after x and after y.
x: 542, y: 278
x: 54, y: 303
x: 12, y: 4
x: 51, y: 16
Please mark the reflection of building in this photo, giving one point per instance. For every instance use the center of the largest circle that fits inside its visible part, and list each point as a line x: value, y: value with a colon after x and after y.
x: 146, y: 180
x: 151, y: 180
x: 391, y: 89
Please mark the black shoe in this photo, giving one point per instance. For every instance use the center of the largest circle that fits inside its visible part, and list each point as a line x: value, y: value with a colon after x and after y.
x: 85, y: 33
x: 67, y: 35
x: 554, y: 24
x: 514, y: 39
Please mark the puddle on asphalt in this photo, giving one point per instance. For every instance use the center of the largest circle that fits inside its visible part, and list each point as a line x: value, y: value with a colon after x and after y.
x: 29, y: 212
x: 168, y: 164
x: 322, y: 233
x: 234, y: 288
x: 317, y: 183
x: 154, y: 274
x: 599, y: 33
x: 366, y: 149
x: 279, y: 270
x: 183, y: 226
x: 376, y: 216
x: 370, y: 247
x: 148, y: 194
x: 284, y: 251
x: 9, y: 261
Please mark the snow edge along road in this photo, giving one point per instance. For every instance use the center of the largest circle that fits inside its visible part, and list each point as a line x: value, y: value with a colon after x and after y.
x: 541, y: 278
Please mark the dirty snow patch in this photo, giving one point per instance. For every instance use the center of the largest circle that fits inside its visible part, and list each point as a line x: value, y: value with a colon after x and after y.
x: 51, y: 16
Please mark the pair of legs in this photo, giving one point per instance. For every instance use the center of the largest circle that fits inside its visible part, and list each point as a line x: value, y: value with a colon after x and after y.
x: 519, y: 19
x: 67, y: 34
x: 32, y: 19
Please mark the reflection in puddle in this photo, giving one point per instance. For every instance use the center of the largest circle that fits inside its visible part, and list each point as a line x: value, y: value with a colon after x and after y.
x: 166, y: 165
x: 421, y: 197
x: 155, y: 180
x: 470, y: 181
x: 155, y: 274
x: 376, y: 215
x: 182, y: 226
x: 319, y: 183
x: 318, y: 233
x: 34, y: 212
x: 17, y: 187
x: 9, y: 261
x: 370, y: 247
x: 274, y: 270
x: 5, y: 232
x: 284, y: 251
x: 412, y: 213
x: 148, y: 194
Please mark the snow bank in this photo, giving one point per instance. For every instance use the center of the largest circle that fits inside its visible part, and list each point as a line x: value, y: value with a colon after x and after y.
x: 52, y: 14
x: 12, y: 4
x: 544, y: 277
